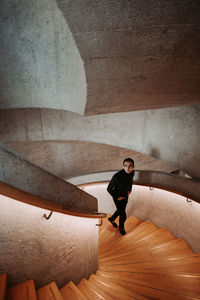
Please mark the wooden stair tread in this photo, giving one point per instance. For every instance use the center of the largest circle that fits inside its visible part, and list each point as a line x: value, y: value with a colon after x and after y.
x: 67, y: 294
x: 114, y: 233
x: 163, y: 250
x: 119, y: 288
x: 91, y: 283
x: 140, y: 232
x: 75, y: 290
x: 3, y: 286
x: 142, y: 226
x: 150, y: 254
x: 187, y: 264
x: 188, y: 285
x: 49, y: 292
x: 90, y: 295
x: 165, y: 268
x: 154, y: 238
x: 109, y: 291
x: 22, y: 291
x: 141, y: 288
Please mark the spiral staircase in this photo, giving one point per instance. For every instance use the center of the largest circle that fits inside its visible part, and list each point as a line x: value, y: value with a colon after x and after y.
x: 146, y: 263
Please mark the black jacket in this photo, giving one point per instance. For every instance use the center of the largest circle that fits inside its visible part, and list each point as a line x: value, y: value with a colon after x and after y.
x: 120, y: 184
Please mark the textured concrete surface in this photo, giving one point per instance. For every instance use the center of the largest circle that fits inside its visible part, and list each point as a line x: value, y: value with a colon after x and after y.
x: 134, y: 55
x: 39, y: 60
x: 170, y: 134
x: 164, y: 209
x: 75, y: 158
x: 24, y: 175
x: 62, y: 248
x: 138, y: 54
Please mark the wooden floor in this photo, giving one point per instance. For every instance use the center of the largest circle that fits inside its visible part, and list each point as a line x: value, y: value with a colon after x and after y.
x: 147, y: 263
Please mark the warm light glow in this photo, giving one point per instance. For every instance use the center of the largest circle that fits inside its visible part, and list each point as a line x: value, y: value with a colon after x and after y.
x: 163, y: 208
x: 32, y: 246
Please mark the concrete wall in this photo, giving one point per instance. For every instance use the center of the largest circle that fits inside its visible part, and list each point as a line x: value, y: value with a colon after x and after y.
x: 164, y: 209
x: 62, y: 248
x: 138, y: 54
x: 39, y: 61
x: 171, y: 134
x: 24, y: 175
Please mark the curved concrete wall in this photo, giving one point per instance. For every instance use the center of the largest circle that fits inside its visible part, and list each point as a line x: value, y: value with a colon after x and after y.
x: 39, y: 60
x: 164, y: 209
x: 170, y: 134
x: 74, y: 158
x: 62, y: 248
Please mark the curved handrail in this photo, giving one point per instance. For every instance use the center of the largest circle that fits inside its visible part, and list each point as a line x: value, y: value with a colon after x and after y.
x: 25, y: 197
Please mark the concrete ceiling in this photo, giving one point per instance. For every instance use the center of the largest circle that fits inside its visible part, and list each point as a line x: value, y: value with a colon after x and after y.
x: 138, y: 54
x: 39, y: 60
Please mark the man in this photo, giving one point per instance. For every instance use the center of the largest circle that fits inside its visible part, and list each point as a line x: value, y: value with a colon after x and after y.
x: 120, y: 188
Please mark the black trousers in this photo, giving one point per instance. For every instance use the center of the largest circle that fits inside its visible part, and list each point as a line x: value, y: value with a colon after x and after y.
x: 121, y: 211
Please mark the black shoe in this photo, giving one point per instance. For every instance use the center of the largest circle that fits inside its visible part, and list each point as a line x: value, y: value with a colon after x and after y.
x: 113, y: 223
x: 122, y: 231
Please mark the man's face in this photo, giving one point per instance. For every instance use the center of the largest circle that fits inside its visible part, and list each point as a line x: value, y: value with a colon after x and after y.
x: 128, y: 167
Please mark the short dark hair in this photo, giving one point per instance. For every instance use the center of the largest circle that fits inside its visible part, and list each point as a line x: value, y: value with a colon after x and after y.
x: 129, y: 159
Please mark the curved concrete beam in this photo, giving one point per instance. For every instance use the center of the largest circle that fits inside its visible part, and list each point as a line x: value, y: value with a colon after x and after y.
x: 75, y: 158
x: 170, y: 134
x: 39, y: 60
x: 24, y: 175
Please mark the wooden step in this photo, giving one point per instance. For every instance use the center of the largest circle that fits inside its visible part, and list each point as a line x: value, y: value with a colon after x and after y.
x: 125, y: 241
x: 108, y: 292
x: 115, y: 290
x: 169, y: 249
x: 186, y: 265
x: 3, y: 286
x: 141, y: 288
x: 114, y: 234
x: 67, y: 293
x: 74, y: 289
x: 98, y: 291
x: 160, y: 236
x: 189, y: 265
x: 49, y: 292
x: 22, y: 291
x: 187, y: 285
x: 90, y: 295
x: 141, y: 226
x: 108, y: 234
x: 172, y: 248
x: 155, y: 238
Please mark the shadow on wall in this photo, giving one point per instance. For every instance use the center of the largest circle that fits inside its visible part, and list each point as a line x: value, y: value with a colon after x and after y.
x: 155, y: 153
